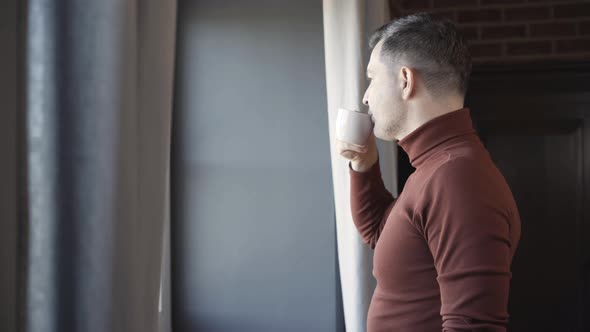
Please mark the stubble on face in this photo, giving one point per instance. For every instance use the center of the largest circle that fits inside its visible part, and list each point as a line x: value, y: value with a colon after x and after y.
x: 392, y: 124
x: 389, y: 116
x: 392, y: 115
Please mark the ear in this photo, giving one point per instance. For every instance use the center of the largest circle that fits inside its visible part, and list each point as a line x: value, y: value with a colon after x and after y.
x: 406, y: 82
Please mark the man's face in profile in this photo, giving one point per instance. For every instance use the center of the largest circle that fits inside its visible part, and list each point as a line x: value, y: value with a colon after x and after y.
x: 383, y: 96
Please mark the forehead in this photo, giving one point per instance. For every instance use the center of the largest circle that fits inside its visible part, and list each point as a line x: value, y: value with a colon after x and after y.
x: 375, y: 59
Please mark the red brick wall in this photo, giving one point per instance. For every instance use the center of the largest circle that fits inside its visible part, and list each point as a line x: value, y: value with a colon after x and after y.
x: 514, y: 30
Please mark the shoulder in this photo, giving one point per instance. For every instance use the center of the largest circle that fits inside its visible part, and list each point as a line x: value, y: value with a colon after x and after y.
x: 455, y: 193
x: 456, y: 173
x: 465, y: 182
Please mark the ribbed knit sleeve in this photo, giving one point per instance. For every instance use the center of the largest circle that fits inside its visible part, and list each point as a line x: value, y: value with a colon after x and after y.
x: 370, y: 203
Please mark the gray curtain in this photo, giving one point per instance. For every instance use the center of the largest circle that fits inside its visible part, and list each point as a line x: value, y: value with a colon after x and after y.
x: 97, y: 97
x: 252, y: 225
x: 8, y: 165
x: 347, y: 27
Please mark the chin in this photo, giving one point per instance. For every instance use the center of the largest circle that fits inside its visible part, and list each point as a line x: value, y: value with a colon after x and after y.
x: 378, y: 133
x: 382, y: 135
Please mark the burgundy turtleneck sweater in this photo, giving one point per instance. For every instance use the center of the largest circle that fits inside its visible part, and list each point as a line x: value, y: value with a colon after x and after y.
x: 443, y: 248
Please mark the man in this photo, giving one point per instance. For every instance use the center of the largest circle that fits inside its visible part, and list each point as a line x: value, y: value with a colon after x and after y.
x: 443, y: 248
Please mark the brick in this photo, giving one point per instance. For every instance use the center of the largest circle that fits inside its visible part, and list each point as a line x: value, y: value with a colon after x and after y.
x: 415, y: 4
x: 450, y: 14
x: 552, y: 29
x: 503, y: 31
x: 454, y: 3
x: 480, y: 15
x: 485, y: 50
x: 573, y: 46
x: 470, y: 33
x: 501, y: 2
x: 528, y: 48
x: 572, y: 10
x: 526, y: 13
x: 585, y: 28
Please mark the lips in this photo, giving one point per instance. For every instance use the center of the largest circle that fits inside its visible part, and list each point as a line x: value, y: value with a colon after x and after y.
x: 371, y: 115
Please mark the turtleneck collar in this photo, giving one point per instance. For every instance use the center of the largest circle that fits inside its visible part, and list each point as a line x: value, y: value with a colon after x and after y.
x: 428, y: 139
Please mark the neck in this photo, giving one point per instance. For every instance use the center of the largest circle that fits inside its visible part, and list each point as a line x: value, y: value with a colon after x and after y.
x: 423, y: 110
x: 438, y: 134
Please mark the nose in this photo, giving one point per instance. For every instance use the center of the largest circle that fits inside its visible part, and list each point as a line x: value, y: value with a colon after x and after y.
x: 366, y: 98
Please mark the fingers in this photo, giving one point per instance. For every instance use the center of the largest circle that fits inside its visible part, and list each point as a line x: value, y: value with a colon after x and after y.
x: 348, y: 154
x: 350, y: 151
x: 344, y: 146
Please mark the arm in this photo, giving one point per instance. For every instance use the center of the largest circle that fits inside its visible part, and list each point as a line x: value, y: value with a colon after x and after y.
x: 370, y: 203
x: 369, y: 200
x: 468, y: 234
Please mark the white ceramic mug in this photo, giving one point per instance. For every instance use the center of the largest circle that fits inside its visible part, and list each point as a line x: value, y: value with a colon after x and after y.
x: 353, y: 126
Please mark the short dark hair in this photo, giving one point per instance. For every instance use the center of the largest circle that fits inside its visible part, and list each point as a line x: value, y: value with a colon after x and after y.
x: 431, y: 45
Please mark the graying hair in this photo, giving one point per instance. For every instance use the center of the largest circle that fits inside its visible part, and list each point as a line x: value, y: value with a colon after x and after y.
x: 431, y: 45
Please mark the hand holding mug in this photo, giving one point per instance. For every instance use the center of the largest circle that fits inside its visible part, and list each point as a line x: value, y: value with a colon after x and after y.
x: 355, y: 140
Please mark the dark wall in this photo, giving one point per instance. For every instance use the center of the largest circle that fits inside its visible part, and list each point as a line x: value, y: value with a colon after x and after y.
x: 8, y: 65
x: 252, y: 197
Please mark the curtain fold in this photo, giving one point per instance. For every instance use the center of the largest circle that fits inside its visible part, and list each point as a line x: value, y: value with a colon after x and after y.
x: 9, y: 58
x: 347, y: 28
x: 97, y: 99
